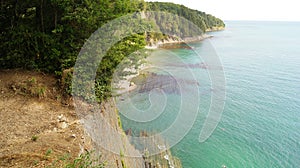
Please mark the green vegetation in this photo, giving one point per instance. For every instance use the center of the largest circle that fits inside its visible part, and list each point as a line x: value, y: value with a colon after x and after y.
x: 201, y: 19
x: 48, y: 152
x: 122, y: 159
x: 34, y: 138
x: 113, y: 58
x: 47, y: 35
x: 85, y: 160
x: 30, y: 87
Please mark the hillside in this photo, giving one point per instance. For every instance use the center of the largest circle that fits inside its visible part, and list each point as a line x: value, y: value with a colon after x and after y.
x: 40, y: 42
x: 36, y: 129
x: 206, y: 22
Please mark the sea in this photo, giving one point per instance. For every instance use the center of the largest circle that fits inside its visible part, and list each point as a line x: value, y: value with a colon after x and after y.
x: 257, y: 122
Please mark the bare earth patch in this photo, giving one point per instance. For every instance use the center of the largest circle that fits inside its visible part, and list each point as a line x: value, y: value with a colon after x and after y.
x: 35, y: 127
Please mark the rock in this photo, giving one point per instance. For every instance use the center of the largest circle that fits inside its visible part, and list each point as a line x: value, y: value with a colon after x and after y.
x: 71, y: 138
x: 128, y: 132
x: 14, y: 88
x: 63, y: 125
x: 62, y: 118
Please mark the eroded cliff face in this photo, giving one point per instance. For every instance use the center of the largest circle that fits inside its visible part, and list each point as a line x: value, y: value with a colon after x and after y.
x: 102, y: 124
x: 37, y: 130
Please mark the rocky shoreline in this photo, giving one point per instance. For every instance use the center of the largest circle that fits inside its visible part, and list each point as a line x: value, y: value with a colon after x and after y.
x: 171, y: 42
x: 127, y: 84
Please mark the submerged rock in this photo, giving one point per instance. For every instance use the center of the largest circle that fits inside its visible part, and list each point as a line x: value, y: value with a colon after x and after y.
x: 166, y: 83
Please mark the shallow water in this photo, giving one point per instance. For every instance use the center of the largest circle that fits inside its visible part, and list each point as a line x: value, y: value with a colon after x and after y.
x: 260, y: 125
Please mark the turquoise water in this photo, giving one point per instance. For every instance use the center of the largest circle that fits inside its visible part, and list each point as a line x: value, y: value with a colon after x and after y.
x: 260, y: 125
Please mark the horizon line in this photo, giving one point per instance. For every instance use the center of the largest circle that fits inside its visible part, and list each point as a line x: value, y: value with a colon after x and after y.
x: 225, y: 20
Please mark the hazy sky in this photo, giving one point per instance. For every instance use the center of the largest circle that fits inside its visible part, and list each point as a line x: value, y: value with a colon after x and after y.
x: 279, y: 10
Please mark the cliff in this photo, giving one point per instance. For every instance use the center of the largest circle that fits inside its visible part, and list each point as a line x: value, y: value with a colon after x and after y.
x: 103, y: 125
x: 39, y: 124
x: 40, y: 127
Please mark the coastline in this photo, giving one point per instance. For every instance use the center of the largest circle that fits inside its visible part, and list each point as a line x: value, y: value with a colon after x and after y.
x: 127, y: 85
x: 167, y: 43
x: 213, y: 29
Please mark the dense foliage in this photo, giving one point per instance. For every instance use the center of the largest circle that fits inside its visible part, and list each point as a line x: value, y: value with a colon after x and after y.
x: 202, y: 20
x: 48, y: 34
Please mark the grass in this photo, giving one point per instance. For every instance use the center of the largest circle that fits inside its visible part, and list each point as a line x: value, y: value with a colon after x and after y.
x: 85, y: 160
x: 30, y: 87
x: 48, y: 152
x: 34, y: 138
x: 122, y: 159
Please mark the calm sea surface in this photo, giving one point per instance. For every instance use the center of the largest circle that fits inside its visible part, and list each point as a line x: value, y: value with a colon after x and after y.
x: 260, y: 124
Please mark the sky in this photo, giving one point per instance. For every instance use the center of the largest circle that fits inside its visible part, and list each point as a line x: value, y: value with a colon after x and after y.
x: 266, y: 10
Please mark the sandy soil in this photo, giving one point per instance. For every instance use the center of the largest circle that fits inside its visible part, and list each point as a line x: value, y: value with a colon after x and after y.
x: 36, y: 129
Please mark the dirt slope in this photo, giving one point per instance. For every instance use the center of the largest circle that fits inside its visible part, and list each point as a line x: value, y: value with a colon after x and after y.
x: 35, y: 128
